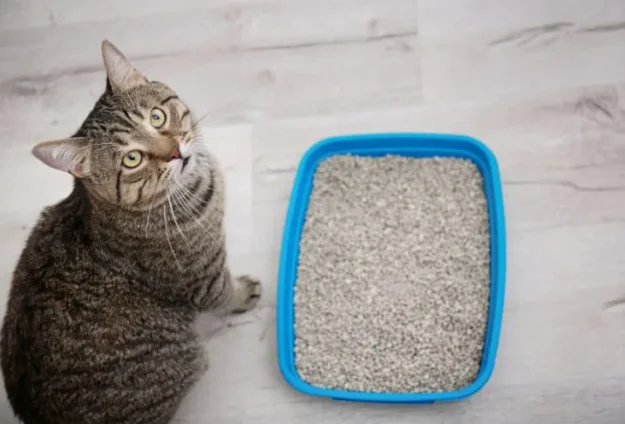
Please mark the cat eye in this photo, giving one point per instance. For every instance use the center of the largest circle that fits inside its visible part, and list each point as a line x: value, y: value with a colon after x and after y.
x: 157, y: 117
x: 132, y: 159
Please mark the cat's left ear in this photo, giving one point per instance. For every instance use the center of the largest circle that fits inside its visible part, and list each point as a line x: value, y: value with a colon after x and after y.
x: 67, y: 155
x: 121, y: 75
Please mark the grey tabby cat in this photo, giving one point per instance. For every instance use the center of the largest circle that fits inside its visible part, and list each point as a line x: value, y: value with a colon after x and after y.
x: 99, y: 324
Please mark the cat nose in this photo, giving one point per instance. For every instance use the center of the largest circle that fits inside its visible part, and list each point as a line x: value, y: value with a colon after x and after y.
x: 175, y: 154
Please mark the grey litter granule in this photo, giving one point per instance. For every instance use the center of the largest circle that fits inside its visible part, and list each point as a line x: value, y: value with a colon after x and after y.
x: 393, y: 276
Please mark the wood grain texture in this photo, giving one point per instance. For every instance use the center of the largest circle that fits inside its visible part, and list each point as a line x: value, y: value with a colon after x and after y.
x: 485, y: 48
x: 542, y: 83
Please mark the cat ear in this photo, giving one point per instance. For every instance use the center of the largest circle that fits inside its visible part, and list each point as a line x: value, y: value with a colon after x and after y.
x: 121, y: 74
x: 67, y: 155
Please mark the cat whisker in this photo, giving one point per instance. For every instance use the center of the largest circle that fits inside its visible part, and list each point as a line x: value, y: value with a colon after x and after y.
x: 187, y: 195
x: 192, y: 215
x: 168, y: 240
x: 192, y: 136
x: 191, y: 209
x: 194, y: 125
x: 187, y: 207
x: 173, y: 215
x: 147, y: 222
x: 209, y: 207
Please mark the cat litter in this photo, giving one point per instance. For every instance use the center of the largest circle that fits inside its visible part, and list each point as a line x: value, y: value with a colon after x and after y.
x: 393, y: 280
x: 392, y: 269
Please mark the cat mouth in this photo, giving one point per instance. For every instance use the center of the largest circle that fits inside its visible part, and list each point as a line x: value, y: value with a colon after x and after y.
x: 185, y: 162
x: 178, y: 155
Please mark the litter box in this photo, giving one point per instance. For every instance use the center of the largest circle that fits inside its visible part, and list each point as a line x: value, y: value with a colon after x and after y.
x: 402, y: 144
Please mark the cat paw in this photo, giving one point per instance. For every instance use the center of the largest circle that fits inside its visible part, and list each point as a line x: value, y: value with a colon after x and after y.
x: 250, y: 291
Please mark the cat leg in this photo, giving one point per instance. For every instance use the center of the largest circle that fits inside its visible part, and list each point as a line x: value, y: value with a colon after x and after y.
x: 227, y: 294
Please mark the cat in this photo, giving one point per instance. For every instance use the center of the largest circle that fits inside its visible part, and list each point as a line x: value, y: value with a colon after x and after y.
x: 99, y: 322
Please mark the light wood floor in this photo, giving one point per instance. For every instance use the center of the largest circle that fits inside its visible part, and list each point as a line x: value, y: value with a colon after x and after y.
x: 541, y: 82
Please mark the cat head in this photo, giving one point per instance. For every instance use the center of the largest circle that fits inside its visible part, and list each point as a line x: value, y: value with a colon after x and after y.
x: 138, y: 142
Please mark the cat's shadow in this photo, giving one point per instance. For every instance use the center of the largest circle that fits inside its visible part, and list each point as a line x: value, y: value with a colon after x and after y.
x: 209, y: 325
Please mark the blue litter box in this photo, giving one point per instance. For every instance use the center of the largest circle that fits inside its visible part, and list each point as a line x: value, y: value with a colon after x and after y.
x: 414, y: 145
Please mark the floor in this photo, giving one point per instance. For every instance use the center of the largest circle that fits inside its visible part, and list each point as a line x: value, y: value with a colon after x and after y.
x: 542, y: 83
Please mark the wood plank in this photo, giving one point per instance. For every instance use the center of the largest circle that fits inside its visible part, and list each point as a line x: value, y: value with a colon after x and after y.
x: 567, y: 142
x: 517, y: 47
x: 221, y: 27
x: 230, y: 88
x: 32, y: 14
x: 455, y: 19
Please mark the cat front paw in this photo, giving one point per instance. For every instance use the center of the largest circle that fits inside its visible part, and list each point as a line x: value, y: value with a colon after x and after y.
x: 249, y: 291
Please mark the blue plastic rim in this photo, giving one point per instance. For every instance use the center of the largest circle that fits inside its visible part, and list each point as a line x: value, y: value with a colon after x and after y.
x: 403, y: 144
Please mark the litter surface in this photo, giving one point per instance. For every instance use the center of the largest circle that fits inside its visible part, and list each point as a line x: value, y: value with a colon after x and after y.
x: 393, y: 279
